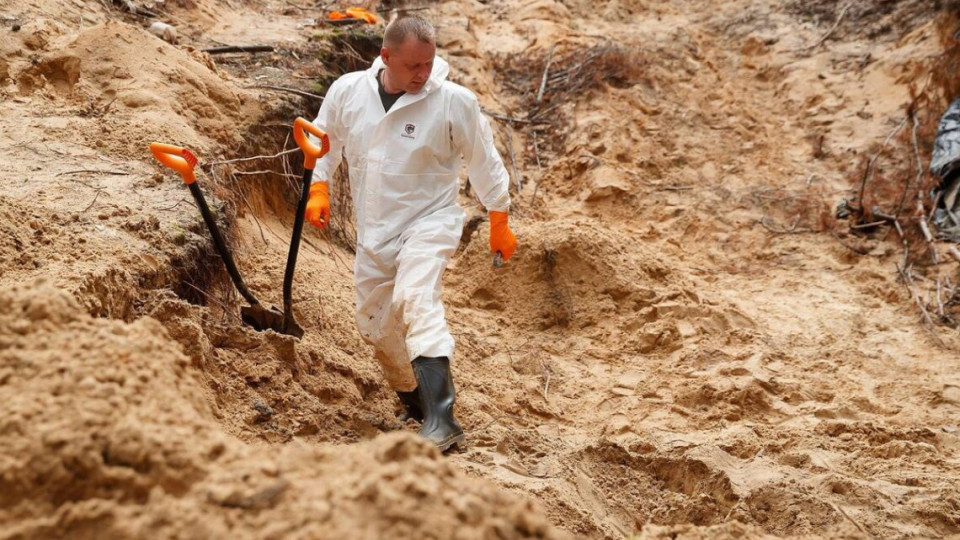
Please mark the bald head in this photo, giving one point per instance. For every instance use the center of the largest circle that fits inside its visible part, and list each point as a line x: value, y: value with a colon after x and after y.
x: 408, y: 25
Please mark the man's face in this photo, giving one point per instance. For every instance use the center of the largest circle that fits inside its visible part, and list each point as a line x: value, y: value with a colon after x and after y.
x: 409, y: 64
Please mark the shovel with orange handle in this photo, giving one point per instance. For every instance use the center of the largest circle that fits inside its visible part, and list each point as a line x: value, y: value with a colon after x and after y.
x: 311, y: 153
x: 255, y: 315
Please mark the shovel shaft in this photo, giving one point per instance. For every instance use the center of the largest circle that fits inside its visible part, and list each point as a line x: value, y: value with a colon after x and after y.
x: 221, y: 245
x: 295, y: 247
x: 311, y: 153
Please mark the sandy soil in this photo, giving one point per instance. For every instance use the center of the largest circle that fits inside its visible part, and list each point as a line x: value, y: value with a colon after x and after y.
x: 681, y: 348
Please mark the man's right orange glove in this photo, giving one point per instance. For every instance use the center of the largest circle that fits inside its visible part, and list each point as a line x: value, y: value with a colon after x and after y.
x: 318, y: 205
x: 502, y: 239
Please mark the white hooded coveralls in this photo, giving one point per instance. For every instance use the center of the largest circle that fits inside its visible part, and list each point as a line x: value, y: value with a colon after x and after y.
x: 404, y: 170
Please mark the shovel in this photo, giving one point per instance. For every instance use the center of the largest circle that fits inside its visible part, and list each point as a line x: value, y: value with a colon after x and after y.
x: 255, y: 315
x: 311, y: 153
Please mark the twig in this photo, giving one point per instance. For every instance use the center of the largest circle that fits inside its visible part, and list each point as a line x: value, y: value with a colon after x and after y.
x: 78, y: 171
x: 873, y: 160
x: 912, y: 288
x: 402, y: 10
x: 954, y: 253
x: 478, y: 430
x: 926, y: 231
x: 536, y: 153
x: 176, y: 204
x: 208, y: 296
x: 288, y: 90
x: 828, y: 34
x: 933, y: 207
x: 916, y: 153
x: 251, y: 173
x: 246, y: 202
x: 511, y: 119
x: 89, y: 206
x: 513, y: 159
x: 546, y: 384
x: 868, y: 225
x: 939, y: 300
x: 238, y: 49
x: 240, y: 160
x: 850, y: 519
x: 792, y: 230
x: 546, y: 70
x: 916, y: 146
x: 856, y: 250
x: 325, y: 233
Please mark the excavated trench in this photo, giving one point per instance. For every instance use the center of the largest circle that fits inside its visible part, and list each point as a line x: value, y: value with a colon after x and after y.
x: 539, y: 327
x: 632, y: 367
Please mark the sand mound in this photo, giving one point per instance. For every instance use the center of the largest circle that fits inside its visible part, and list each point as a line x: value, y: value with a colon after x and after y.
x: 673, y: 353
x: 106, y: 432
x: 138, y: 87
x: 581, y: 275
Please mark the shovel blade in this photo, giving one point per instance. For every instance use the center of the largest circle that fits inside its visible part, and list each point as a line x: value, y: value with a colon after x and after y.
x: 261, y: 318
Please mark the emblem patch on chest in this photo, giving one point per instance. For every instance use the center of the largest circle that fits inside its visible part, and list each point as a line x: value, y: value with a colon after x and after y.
x: 409, y: 131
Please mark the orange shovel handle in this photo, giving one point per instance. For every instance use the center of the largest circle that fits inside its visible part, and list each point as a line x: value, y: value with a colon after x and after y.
x: 179, y: 159
x: 311, y: 152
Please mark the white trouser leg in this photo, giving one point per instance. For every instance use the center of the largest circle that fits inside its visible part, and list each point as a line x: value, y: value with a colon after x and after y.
x: 378, y: 323
x: 399, y: 304
x: 426, y: 250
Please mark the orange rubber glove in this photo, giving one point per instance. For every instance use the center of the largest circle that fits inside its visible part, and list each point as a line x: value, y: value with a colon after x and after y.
x: 501, y: 237
x: 318, y: 205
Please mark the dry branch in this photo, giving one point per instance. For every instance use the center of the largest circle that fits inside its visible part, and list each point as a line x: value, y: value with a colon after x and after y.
x: 546, y: 70
x: 78, y: 171
x: 288, y: 90
x: 536, y: 153
x: 510, y: 118
x: 792, y: 230
x: 829, y: 32
x: 513, y: 160
x: 240, y: 160
x: 238, y: 49
x: 912, y: 288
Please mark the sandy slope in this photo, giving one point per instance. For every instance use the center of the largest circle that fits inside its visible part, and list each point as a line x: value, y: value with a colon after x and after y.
x: 657, y: 361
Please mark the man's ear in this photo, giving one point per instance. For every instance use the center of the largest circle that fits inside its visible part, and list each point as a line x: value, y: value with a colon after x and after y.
x: 385, y: 55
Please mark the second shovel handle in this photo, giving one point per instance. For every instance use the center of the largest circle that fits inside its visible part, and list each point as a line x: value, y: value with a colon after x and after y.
x: 311, y: 152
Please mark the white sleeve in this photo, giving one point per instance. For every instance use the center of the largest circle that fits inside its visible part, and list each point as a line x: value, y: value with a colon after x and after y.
x: 328, y: 120
x: 472, y: 136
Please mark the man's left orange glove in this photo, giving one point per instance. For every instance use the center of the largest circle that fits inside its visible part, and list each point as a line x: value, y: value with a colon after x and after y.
x: 318, y: 205
x: 502, y: 239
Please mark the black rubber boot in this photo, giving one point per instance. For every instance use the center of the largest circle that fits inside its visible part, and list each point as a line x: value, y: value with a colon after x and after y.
x: 411, y: 406
x: 437, y: 395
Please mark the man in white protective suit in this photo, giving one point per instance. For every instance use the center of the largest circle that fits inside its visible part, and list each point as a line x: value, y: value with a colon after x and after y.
x: 406, y: 131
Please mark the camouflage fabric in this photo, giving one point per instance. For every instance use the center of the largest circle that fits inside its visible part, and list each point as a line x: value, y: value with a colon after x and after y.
x: 945, y: 163
x: 946, y: 148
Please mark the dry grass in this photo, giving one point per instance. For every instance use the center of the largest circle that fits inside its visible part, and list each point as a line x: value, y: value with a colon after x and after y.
x: 544, y: 82
x: 872, y: 19
x: 344, y: 50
